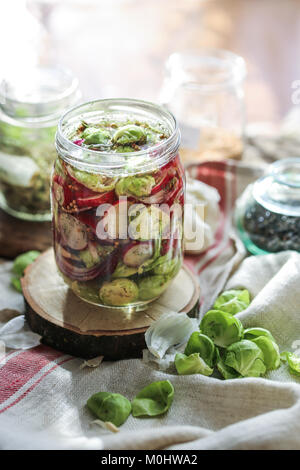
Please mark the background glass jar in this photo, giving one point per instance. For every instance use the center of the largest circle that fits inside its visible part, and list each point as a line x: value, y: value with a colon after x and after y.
x: 204, y: 90
x: 117, y: 211
x: 30, y: 106
x: 268, y: 212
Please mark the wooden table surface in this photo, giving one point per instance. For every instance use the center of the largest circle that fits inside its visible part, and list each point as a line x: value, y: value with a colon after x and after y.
x: 118, y: 48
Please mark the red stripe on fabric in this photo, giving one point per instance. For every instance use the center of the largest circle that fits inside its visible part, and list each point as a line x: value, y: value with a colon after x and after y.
x: 35, y: 384
x: 19, y: 370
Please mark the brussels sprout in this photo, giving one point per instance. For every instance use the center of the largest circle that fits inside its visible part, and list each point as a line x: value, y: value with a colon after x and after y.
x: 222, y: 327
x: 123, y: 271
x: 16, y: 283
x: 202, y: 344
x: 246, y: 358
x: 226, y: 371
x: 135, y: 186
x: 130, y: 134
x: 151, y: 287
x: 112, y: 407
x: 150, y: 223
x: 22, y: 261
x: 192, y: 364
x: 95, y: 182
x: 232, y: 301
x: 119, y: 292
x: 166, y: 266
x: 94, y: 135
x: 153, y: 400
x: 270, y: 351
x: 253, y: 333
x: 293, y: 362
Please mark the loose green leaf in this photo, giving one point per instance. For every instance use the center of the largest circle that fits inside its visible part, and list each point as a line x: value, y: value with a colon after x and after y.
x: 202, y: 344
x: 233, y: 301
x: 193, y: 364
x: 153, y: 400
x: 293, y: 361
x: 222, y: 327
x: 253, y: 333
x: 112, y: 407
x: 270, y: 351
x: 246, y: 358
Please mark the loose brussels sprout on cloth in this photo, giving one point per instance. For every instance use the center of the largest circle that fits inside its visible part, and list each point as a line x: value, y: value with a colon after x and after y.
x: 222, y: 327
x: 293, y: 361
x: 227, y: 372
x: 192, y: 364
x: 270, y: 351
x: 111, y: 407
x: 119, y: 292
x: 202, y: 344
x: 253, y: 333
x: 233, y: 301
x: 246, y: 358
x: 19, y: 266
x: 153, y: 400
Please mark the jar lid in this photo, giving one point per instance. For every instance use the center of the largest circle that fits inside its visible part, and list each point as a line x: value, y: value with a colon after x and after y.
x: 39, y: 93
x: 279, y: 190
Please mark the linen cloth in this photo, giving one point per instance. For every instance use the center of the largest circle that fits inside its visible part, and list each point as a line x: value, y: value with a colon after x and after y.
x: 43, y: 391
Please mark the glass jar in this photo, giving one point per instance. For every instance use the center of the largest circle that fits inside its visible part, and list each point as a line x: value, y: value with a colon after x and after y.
x: 205, y: 92
x: 268, y: 212
x: 117, y: 202
x: 30, y: 106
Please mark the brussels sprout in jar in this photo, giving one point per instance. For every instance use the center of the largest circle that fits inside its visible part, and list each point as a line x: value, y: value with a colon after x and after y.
x: 29, y: 111
x: 117, y: 202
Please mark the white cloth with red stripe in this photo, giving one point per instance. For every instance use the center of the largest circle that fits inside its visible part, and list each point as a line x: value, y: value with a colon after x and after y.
x: 43, y: 392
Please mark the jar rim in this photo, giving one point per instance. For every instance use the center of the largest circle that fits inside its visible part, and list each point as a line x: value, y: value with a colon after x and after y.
x: 234, y: 67
x: 101, y: 160
x: 279, y: 171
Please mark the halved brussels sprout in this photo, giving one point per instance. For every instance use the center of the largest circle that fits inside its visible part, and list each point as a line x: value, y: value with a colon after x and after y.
x: 123, y: 271
x: 192, y: 364
x: 152, y: 287
x: 222, y: 327
x: 130, y: 134
x: 93, y: 181
x: 246, y: 358
x: 150, y: 222
x: 110, y: 407
x: 95, y: 135
x: 119, y: 292
x: 270, y: 351
x: 233, y: 301
x: 202, y: 344
x: 167, y: 267
x: 135, y: 186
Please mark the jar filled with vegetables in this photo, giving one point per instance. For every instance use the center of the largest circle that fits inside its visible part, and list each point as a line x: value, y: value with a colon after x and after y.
x: 268, y: 212
x: 30, y: 106
x: 117, y: 201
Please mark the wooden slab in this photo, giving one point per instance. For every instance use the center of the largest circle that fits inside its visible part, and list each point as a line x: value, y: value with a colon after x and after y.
x: 81, y: 329
x: 18, y: 236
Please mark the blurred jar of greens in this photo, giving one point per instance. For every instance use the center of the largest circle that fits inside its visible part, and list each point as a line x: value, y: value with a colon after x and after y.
x: 205, y: 91
x: 31, y: 103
